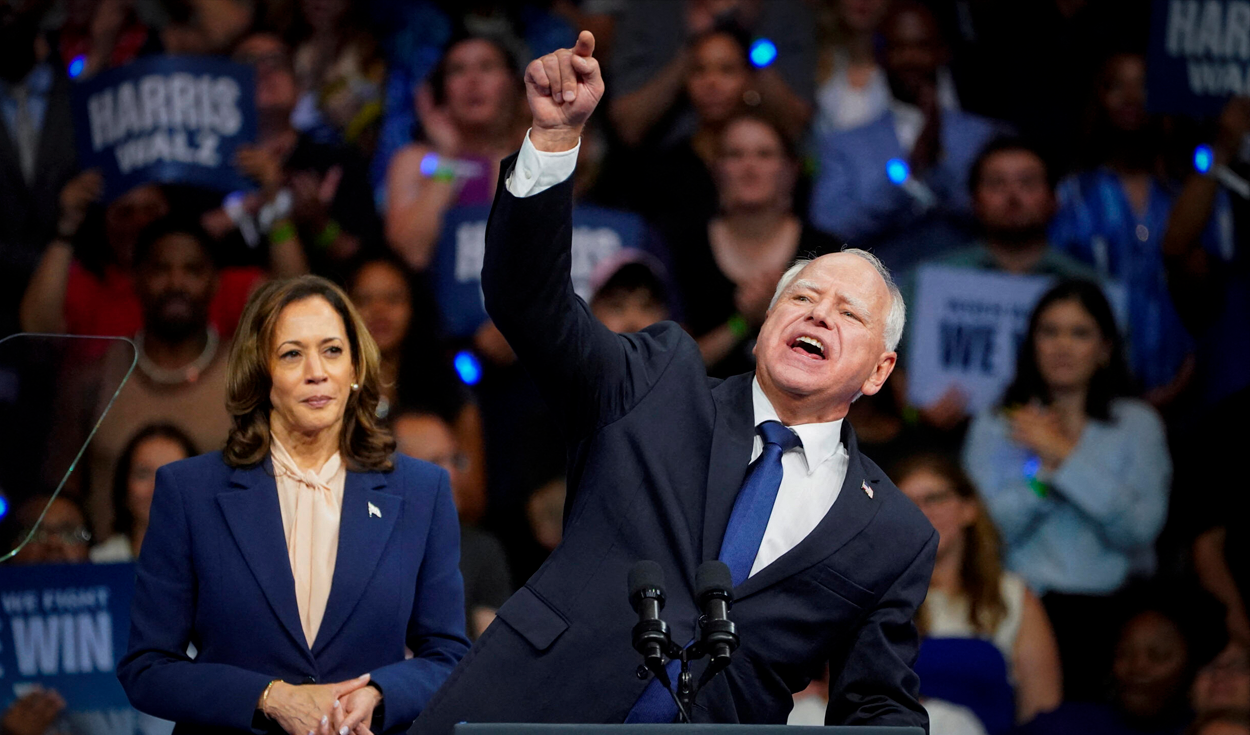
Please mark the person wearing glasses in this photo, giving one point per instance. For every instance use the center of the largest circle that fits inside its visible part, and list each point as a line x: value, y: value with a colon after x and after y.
x: 62, y: 537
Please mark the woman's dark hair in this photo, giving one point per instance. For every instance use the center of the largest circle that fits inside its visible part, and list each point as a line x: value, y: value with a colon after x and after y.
x: 427, y: 381
x: 1109, y: 381
x: 123, y: 519
x: 980, y: 571
x: 438, y: 75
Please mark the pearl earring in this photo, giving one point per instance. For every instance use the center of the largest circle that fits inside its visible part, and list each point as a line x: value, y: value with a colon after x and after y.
x: 355, y: 386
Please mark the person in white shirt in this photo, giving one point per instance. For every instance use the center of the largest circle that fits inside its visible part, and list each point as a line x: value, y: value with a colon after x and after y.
x: 759, y: 472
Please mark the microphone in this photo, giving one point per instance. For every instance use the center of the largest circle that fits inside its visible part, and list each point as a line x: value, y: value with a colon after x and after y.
x: 714, y: 590
x: 651, y: 636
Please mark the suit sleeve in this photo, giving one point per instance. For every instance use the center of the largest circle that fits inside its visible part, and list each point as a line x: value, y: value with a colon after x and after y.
x: 588, y: 374
x: 158, y: 676
x: 436, y: 624
x: 872, y: 681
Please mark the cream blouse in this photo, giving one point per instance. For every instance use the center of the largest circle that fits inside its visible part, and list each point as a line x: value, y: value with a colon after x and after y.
x: 311, y: 504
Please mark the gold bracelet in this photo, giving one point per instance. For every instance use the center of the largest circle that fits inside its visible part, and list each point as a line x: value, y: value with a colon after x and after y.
x: 264, y: 699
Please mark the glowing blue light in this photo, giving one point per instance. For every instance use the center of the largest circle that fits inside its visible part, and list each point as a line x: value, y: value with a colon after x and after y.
x: 4, y: 506
x: 1203, y: 158
x: 763, y: 52
x: 429, y: 164
x: 897, y: 170
x: 468, y: 367
x: 76, y: 66
x: 1032, y: 466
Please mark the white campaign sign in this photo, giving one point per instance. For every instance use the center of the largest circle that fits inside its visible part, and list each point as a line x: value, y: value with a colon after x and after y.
x: 966, y: 330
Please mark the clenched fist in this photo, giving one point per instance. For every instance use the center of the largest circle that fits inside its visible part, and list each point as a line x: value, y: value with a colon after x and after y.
x: 563, y: 88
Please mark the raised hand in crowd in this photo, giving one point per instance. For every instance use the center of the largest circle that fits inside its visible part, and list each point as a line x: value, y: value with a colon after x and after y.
x: 1041, y: 430
x: 41, y: 309
x: 78, y: 195
x: 563, y: 88
x: 440, y: 130
x: 319, y: 708
x: 928, y: 147
x: 33, y: 713
x: 753, y: 296
x: 949, y: 410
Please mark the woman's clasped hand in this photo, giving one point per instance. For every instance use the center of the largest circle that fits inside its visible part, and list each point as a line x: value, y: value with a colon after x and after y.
x: 344, y: 707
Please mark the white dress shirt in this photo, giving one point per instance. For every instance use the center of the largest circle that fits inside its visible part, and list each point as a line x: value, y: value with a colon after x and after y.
x: 812, y: 475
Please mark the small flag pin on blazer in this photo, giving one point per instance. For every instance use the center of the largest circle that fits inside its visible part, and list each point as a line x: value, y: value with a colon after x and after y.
x: 373, y: 511
x: 867, y: 490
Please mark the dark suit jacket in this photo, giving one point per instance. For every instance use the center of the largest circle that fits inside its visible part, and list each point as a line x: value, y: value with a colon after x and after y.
x: 214, y: 572
x: 657, y: 453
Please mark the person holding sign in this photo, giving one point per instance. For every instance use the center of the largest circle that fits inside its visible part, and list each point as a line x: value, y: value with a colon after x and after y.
x: 1074, y: 474
x: 307, y: 561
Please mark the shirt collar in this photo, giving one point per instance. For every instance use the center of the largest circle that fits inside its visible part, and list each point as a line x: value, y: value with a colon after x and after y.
x: 820, y: 441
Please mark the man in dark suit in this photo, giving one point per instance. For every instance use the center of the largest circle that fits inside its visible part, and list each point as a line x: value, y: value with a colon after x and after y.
x: 828, y: 559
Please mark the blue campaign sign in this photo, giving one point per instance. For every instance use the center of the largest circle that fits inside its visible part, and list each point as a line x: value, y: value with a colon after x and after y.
x: 598, y: 233
x: 166, y: 119
x: 64, y: 627
x: 966, y: 329
x: 1199, y: 55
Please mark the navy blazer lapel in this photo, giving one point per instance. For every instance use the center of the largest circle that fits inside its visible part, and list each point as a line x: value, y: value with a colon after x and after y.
x: 731, y: 453
x: 367, y: 519
x: 255, y: 520
x: 851, y: 512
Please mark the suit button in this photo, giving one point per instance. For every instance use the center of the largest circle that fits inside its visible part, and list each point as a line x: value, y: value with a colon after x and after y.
x: 310, y: 680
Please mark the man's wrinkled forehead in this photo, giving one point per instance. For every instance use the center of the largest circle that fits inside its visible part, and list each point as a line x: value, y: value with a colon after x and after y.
x: 846, y: 271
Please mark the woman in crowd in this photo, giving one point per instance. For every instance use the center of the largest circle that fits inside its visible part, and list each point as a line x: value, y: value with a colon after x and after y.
x: 469, y: 113
x: 727, y: 267
x: 414, y: 373
x: 134, y: 480
x: 1150, y: 675
x: 1074, y: 473
x: 314, y: 568
x: 988, y: 643
x: 1112, y: 215
x: 717, y: 80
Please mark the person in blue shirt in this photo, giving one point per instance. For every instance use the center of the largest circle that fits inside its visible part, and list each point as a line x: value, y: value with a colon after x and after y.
x: 1112, y: 215
x: 899, y: 184
x: 1074, y: 473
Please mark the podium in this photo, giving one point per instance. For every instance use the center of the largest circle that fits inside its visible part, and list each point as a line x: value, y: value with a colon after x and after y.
x: 503, y: 728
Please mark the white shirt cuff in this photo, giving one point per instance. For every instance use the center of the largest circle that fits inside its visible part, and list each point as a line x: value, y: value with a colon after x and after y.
x: 537, y: 171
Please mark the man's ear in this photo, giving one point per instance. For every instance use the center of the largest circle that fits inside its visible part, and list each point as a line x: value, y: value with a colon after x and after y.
x: 880, y: 372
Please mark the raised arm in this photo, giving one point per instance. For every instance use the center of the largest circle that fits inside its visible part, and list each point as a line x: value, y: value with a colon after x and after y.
x: 589, y: 374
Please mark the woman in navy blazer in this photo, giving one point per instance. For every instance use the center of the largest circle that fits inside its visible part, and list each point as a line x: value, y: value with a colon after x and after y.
x: 293, y: 631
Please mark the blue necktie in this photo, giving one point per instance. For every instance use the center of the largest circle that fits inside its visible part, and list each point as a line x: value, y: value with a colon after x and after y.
x: 747, y: 523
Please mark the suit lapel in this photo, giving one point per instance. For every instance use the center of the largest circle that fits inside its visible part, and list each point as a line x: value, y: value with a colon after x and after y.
x: 367, y: 520
x: 255, y: 520
x: 850, y: 514
x: 731, y: 452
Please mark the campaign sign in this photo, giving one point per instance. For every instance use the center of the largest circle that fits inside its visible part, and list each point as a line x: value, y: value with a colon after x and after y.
x: 966, y: 330
x: 598, y: 233
x: 168, y: 119
x: 64, y: 627
x: 1199, y: 55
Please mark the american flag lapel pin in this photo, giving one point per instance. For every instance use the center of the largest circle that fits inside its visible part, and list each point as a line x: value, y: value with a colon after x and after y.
x: 867, y: 489
x: 374, y: 512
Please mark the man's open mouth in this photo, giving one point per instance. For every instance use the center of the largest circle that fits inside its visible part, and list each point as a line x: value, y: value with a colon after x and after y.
x: 809, y: 346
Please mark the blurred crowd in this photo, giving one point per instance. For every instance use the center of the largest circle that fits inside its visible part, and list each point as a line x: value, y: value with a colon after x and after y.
x: 1092, y: 572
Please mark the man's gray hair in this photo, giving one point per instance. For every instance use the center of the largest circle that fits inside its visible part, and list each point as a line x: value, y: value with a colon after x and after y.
x: 898, y: 311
